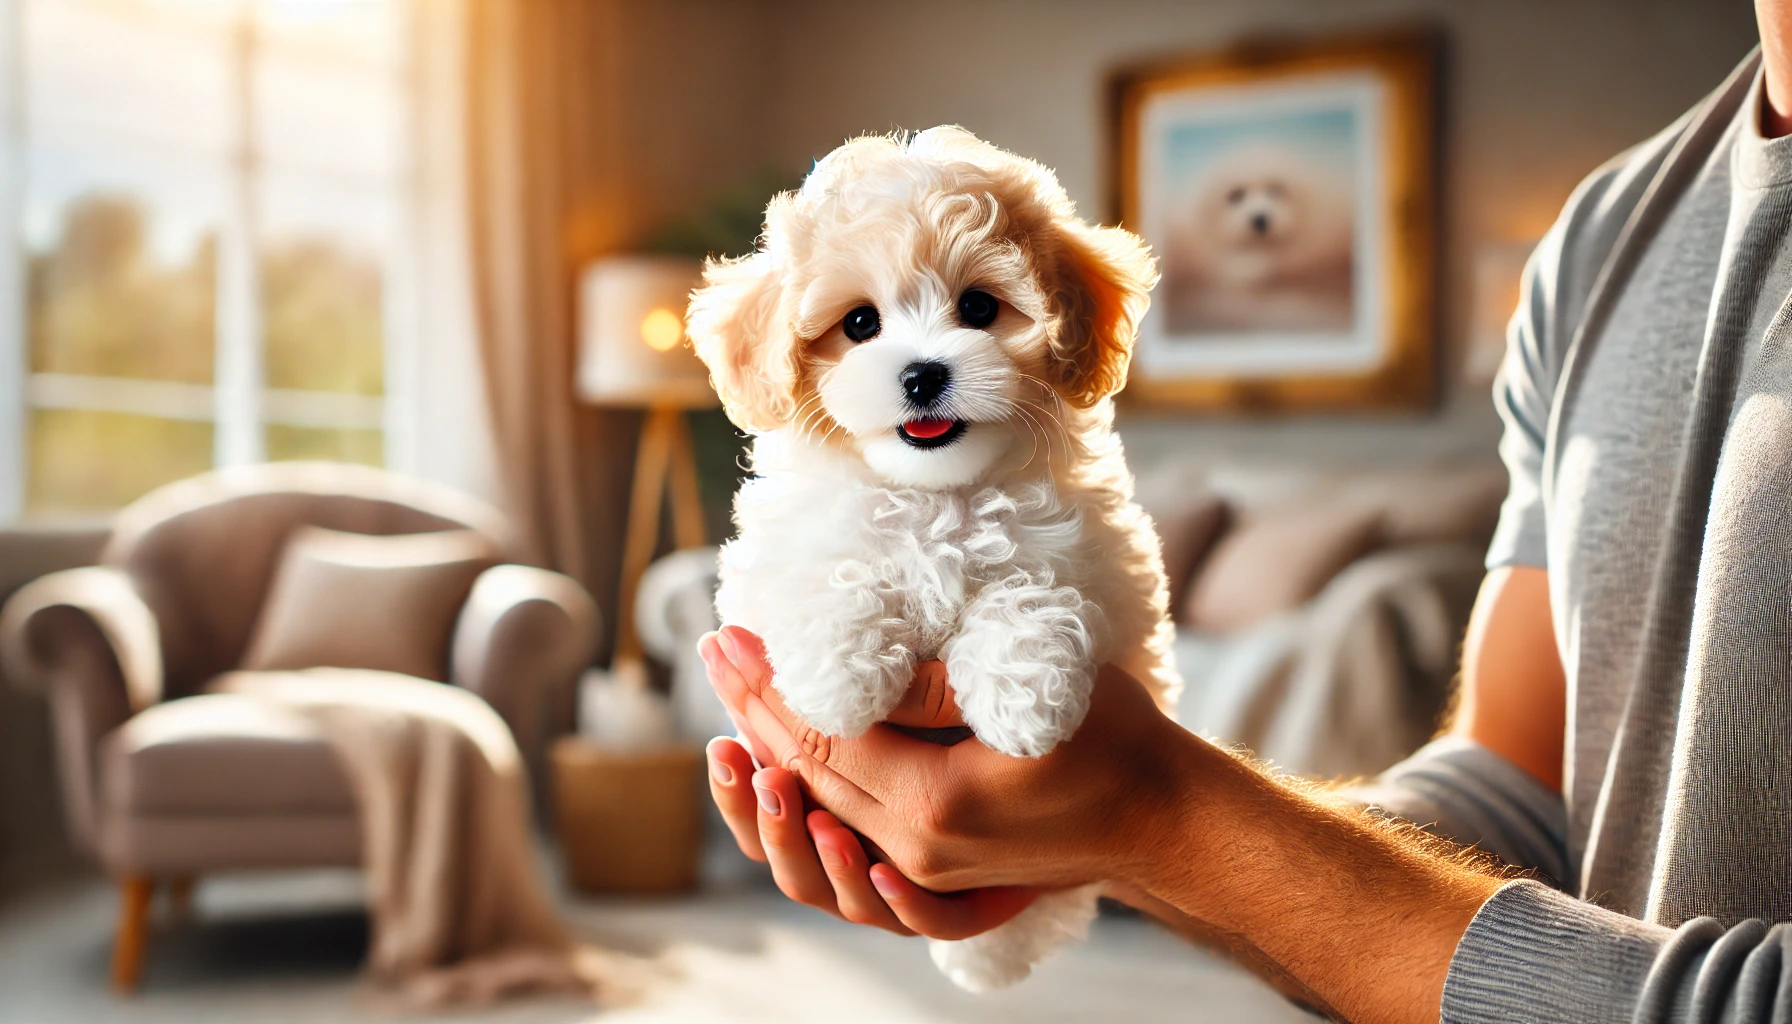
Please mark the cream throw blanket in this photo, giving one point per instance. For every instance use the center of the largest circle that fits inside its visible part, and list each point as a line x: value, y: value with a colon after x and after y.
x: 459, y: 912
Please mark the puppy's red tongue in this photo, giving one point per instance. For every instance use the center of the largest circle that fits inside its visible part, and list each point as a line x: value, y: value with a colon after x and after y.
x: 926, y: 430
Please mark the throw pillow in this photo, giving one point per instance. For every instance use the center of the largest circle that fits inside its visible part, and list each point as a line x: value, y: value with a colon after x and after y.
x: 1274, y: 561
x: 1187, y: 530
x: 350, y: 600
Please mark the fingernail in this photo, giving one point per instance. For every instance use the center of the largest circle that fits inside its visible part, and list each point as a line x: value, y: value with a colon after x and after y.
x: 884, y: 887
x: 730, y: 647
x: 722, y: 773
x: 768, y: 800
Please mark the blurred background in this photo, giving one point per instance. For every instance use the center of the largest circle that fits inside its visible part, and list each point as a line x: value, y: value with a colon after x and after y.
x: 372, y: 232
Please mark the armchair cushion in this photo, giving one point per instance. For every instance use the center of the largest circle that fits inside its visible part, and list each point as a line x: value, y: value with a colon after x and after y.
x: 219, y: 755
x: 350, y: 600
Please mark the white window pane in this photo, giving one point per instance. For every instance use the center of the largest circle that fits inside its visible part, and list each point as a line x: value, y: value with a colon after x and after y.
x: 121, y: 262
x: 369, y: 32
x: 325, y: 251
x: 323, y: 105
x: 117, y: 69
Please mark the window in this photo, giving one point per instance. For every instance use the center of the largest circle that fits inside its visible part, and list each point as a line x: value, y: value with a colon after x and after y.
x: 212, y: 200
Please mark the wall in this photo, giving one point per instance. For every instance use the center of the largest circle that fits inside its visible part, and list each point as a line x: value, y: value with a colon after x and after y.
x: 1535, y: 93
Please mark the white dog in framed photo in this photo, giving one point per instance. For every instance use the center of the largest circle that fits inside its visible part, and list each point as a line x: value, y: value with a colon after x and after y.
x: 925, y: 348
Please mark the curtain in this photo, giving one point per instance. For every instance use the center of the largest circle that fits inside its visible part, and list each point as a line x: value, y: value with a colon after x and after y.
x: 547, y: 192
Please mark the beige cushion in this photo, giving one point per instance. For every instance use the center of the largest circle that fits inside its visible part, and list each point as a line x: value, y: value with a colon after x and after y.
x: 1274, y: 561
x: 350, y: 600
x: 1187, y: 528
x: 221, y: 754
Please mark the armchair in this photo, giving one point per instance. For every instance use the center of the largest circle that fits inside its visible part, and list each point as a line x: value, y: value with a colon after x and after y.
x: 163, y: 781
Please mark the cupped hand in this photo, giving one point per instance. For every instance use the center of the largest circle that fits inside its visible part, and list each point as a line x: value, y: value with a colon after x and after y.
x: 818, y: 861
x: 989, y: 828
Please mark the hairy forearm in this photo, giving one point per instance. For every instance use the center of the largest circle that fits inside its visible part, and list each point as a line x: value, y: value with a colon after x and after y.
x: 1357, y: 916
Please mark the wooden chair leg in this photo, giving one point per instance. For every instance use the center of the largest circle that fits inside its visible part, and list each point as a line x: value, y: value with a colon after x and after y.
x: 180, y: 896
x: 135, y: 894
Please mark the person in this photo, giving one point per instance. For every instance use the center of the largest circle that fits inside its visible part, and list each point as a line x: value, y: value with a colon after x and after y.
x: 1623, y: 733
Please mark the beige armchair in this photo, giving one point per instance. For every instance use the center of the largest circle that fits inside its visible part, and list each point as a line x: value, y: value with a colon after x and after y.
x: 162, y: 781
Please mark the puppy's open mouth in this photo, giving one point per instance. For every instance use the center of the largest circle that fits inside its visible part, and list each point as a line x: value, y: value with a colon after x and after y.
x: 931, y: 433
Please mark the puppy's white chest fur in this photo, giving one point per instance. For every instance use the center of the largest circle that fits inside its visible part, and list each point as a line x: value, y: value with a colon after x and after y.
x: 851, y: 584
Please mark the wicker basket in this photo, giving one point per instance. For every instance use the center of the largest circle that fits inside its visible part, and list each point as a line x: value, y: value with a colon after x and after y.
x: 629, y: 822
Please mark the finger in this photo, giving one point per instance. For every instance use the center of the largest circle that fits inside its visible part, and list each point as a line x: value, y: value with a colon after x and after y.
x: 827, y: 786
x: 796, y: 867
x: 731, y: 786
x: 929, y: 702
x: 848, y: 868
x: 888, y: 761
x: 956, y: 916
x: 732, y: 689
x: 746, y: 652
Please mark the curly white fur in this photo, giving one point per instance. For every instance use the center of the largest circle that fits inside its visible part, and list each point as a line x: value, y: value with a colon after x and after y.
x: 851, y: 584
x: 1013, y: 552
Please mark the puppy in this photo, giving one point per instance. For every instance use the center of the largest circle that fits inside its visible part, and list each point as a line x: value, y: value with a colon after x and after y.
x: 1262, y: 242
x: 924, y: 348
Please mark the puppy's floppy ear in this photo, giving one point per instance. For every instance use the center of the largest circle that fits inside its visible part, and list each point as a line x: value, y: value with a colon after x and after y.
x: 1104, y: 278
x: 736, y: 324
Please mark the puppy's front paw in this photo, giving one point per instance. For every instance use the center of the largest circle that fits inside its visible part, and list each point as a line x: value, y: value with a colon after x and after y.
x: 1027, y: 710
x: 845, y: 693
x: 1022, y: 667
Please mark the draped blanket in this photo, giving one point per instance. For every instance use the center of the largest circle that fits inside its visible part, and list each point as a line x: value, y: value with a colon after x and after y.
x: 459, y: 912
x: 1350, y: 683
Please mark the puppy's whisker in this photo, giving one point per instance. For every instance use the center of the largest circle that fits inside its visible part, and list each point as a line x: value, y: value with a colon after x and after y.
x: 809, y: 412
x: 1040, y: 432
x: 1033, y: 432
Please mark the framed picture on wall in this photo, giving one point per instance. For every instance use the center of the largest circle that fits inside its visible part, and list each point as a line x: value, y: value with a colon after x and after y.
x: 1287, y: 191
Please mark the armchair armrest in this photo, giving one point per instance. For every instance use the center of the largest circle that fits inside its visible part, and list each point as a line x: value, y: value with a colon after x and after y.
x: 522, y: 632
x: 85, y: 638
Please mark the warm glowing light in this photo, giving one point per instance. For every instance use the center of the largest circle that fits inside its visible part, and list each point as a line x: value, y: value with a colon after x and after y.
x: 661, y: 330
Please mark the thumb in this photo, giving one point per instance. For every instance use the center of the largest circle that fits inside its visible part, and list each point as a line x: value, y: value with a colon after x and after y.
x: 929, y: 702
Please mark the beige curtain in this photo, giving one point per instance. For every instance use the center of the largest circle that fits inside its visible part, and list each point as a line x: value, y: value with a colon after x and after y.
x: 547, y: 187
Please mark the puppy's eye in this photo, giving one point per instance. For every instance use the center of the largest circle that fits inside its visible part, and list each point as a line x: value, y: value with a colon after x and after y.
x: 861, y: 324
x: 977, y: 309
x: 1235, y: 195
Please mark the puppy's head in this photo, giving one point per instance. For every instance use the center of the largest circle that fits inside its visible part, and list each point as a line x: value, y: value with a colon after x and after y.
x: 928, y: 303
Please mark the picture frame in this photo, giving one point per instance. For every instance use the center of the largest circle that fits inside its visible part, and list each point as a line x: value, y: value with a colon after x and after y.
x: 1288, y: 190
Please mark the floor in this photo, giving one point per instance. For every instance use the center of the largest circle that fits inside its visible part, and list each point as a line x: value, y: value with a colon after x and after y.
x: 285, y: 948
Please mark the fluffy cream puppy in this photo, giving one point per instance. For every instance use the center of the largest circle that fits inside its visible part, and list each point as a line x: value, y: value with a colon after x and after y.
x: 924, y: 348
x: 1262, y: 241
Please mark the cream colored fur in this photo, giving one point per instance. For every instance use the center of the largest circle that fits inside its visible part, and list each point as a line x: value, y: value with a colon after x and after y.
x: 1015, y: 553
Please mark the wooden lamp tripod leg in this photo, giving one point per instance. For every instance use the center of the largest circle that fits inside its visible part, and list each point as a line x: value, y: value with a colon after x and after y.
x: 664, y: 457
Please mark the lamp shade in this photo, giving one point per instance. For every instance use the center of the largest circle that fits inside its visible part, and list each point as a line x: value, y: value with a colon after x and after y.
x: 632, y: 348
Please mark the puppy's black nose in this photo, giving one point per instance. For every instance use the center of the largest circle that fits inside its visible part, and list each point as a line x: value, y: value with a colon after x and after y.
x: 924, y: 383
x: 1260, y: 223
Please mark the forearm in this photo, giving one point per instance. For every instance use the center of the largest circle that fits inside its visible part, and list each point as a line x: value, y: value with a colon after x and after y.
x: 1360, y: 915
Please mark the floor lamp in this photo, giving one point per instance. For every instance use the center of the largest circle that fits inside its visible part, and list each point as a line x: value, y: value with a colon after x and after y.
x: 632, y: 352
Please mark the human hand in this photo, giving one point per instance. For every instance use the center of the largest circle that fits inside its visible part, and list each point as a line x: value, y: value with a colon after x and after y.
x: 818, y: 861
x: 950, y: 818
